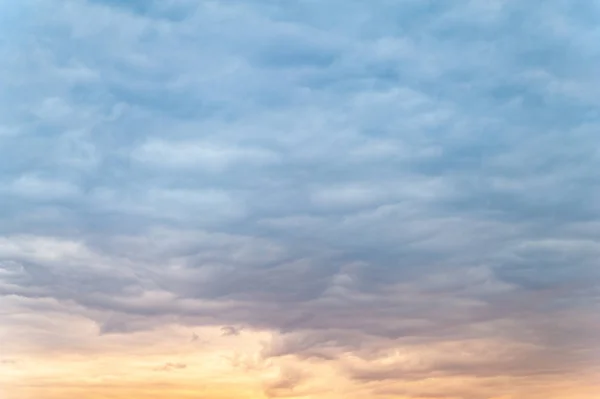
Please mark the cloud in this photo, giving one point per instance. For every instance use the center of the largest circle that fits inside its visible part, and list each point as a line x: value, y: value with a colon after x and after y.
x: 230, y: 330
x: 172, y: 367
x: 200, y: 155
x: 285, y: 384
x: 35, y: 188
x: 398, y: 197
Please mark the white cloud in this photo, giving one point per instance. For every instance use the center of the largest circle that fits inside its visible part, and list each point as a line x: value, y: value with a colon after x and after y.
x: 195, y: 206
x: 34, y: 187
x: 348, y: 196
x: 200, y: 155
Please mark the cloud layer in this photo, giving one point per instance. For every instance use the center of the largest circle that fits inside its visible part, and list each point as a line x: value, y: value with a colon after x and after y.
x: 341, y: 199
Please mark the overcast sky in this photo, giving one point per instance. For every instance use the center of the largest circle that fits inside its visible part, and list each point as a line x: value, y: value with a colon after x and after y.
x: 332, y: 199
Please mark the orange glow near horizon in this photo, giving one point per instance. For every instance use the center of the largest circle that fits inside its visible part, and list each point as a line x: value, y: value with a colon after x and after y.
x: 180, y: 362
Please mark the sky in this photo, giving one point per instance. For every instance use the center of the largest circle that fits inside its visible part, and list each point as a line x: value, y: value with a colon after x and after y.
x: 334, y: 199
